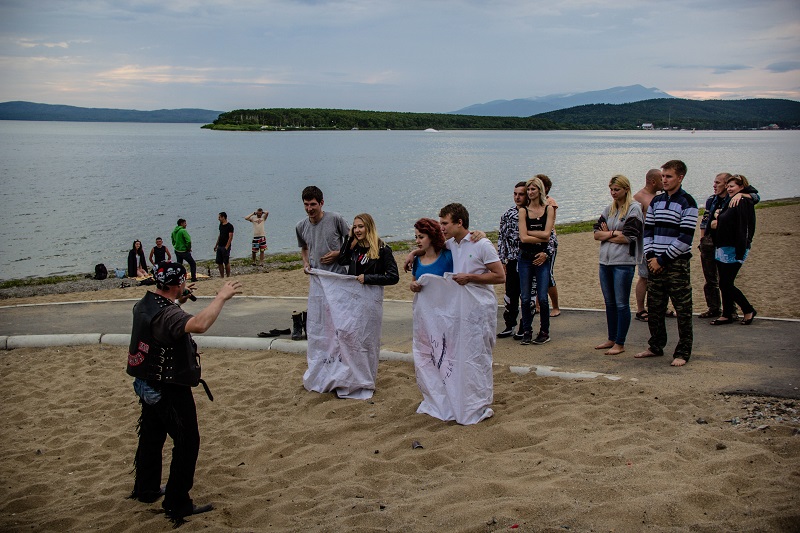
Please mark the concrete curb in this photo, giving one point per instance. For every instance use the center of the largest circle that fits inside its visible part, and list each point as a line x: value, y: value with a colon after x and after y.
x: 257, y: 344
x: 582, y: 309
x: 46, y: 341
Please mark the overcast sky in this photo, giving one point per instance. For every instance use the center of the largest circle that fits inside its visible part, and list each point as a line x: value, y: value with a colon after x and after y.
x: 389, y: 55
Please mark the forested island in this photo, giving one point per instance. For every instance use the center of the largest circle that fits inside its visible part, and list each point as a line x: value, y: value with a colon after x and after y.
x: 672, y: 113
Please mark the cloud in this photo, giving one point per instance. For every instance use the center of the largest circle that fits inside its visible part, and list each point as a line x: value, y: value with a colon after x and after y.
x: 724, y: 69
x: 35, y: 43
x: 783, y: 66
x: 715, y: 69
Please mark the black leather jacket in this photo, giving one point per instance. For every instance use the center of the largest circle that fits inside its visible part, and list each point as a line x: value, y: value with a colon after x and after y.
x: 151, y: 361
x: 380, y: 271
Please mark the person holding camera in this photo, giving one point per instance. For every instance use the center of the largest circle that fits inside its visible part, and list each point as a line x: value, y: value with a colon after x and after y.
x: 163, y: 359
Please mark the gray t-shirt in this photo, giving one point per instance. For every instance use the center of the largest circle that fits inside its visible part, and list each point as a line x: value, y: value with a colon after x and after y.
x: 325, y: 236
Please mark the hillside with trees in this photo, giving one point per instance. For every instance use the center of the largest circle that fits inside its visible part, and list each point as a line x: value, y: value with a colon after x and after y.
x: 330, y: 119
x: 661, y: 113
x: 680, y: 113
x: 68, y: 113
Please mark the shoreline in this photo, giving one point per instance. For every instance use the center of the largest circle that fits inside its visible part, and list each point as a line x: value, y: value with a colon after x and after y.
x: 769, y: 280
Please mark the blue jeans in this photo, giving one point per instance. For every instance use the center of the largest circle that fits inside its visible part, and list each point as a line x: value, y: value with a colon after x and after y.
x: 527, y: 271
x: 615, y: 282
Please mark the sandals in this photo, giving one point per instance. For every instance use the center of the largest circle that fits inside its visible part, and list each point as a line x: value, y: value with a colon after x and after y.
x: 709, y: 314
x: 721, y: 321
x: 641, y: 316
x: 748, y: 321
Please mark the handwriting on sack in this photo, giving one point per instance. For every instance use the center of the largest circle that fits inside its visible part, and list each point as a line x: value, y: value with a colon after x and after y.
x: 437, y: 361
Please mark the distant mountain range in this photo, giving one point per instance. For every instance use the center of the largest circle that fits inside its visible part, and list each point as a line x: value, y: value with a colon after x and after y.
x: 32, y: 111
x: 525, y: 107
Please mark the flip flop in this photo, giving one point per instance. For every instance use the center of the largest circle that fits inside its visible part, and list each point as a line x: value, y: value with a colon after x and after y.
x: 641, y: 316
x: 672, y: 314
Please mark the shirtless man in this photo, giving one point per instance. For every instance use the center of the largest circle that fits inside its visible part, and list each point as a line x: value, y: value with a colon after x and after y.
x: 652, y: 186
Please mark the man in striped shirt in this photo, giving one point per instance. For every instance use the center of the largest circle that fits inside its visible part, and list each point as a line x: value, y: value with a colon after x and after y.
x: 668, y: 232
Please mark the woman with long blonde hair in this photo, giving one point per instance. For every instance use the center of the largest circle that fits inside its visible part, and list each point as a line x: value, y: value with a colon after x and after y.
x: 619, y: 230
x: 536, y: 221
x: 366, y: 256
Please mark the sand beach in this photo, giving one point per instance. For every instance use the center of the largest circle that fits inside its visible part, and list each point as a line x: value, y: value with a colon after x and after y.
x: 661, y: 451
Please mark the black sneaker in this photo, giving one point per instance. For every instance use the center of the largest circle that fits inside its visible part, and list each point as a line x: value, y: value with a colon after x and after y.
x: 526, y: 338
x: 518, y: 335
x: 506, y: 332
x: 541, y: 338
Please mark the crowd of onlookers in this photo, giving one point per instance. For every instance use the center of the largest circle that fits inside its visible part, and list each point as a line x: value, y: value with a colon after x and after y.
x: 182, y: 244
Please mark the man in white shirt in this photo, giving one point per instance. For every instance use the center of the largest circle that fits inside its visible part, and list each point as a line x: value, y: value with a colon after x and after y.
x: 473, y: 262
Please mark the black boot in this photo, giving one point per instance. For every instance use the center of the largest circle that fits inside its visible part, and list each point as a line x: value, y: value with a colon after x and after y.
x: 297, y: 326
x: 305, y: 332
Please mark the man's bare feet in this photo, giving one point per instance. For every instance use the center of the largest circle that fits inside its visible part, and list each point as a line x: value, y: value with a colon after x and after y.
x: 607, y: 344
x: 555, y: 312
x: 616, y: 349
x: 678, y: 362
x: 646, y: 353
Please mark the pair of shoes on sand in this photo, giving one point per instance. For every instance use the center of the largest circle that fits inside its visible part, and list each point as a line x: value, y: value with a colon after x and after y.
x: 274, y: 333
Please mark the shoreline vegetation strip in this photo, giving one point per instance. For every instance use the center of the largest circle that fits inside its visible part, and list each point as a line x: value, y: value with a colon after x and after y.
x: 292, y: 260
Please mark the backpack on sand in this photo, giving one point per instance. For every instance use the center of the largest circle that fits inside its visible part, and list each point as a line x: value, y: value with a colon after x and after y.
x: 100, y: 271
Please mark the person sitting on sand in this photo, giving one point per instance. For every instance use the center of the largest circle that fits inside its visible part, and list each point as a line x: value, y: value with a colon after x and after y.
x: 159, y: 253
x: 137, y: 263
x: 619, y: 230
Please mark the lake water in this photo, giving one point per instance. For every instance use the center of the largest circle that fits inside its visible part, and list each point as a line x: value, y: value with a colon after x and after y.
x: 77, y: 194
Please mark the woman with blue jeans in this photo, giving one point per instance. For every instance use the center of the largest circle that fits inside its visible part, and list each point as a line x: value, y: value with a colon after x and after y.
x: 619, y: 230
x: 535, y: 224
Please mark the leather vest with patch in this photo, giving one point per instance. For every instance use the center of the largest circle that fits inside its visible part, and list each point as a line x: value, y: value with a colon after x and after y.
x: 156, y: 363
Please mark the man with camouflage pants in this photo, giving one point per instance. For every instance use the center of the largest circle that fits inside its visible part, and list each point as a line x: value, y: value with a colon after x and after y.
x: 668, y: 232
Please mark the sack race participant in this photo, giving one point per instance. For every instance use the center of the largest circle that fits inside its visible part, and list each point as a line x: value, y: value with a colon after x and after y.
x: 453, y: 342
x: 344, y: 335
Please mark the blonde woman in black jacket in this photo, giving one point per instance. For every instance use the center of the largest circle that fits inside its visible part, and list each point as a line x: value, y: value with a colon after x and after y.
x: 366, y: 256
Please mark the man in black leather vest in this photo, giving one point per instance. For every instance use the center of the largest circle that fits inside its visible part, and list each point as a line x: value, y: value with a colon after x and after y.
x: 163, y: 359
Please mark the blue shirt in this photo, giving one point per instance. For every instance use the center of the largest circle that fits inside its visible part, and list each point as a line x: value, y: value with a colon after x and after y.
x: 443, y: 263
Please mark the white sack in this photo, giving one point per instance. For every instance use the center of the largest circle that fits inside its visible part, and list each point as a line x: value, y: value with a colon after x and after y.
x: 344, y: 335
x: 454, y: 334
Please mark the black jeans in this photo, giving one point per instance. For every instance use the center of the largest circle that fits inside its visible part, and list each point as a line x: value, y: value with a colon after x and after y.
x: 187, y: 256
x: 730, y: 293
x: 174, y: 415
x: 710, y: 273
x: 511, y: 298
